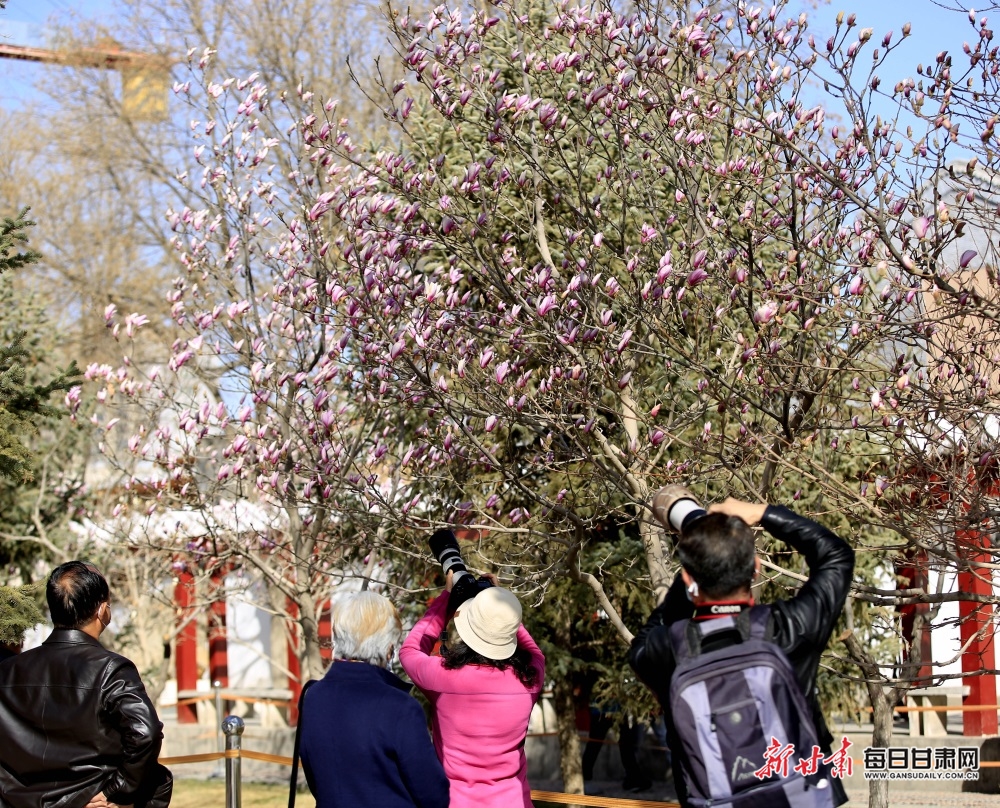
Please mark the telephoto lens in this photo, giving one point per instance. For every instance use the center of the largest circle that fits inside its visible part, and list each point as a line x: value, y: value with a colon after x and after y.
x: 444, y: 546
x: 675, y: 507
x: 464, y: 585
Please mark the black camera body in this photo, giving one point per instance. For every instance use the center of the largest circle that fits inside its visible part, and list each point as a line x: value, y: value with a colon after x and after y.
x: 465, y: 585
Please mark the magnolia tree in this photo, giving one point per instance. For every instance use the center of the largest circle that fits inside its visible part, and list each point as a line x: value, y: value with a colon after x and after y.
x: 260, y: 398
x: 607, y: 251
x: 614, y: 251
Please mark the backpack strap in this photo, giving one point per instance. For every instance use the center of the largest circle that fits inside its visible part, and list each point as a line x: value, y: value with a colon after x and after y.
x: 757, y: 623
x: 685, y: 640
x: 293, y: 780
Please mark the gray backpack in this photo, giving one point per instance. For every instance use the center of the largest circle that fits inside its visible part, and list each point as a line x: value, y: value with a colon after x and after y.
x: 733, y: 691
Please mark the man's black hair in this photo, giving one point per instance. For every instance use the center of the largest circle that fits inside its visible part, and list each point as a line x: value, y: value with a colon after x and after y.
x: 75, y: 592
x: 718, y: 553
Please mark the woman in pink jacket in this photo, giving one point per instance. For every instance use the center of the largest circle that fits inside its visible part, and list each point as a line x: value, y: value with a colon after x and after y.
x: 481, y: 690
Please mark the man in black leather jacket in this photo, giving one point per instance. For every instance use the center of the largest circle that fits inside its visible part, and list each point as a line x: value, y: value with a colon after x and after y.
x: 801, y: 625
x: 77, y: 729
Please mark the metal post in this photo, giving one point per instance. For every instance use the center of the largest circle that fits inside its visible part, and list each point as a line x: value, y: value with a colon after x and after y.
x: 220, y: 744
x: 233, y: 727
x: 217, y: 687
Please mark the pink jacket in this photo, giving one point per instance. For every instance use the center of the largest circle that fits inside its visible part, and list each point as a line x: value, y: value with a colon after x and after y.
x: 480, y: 717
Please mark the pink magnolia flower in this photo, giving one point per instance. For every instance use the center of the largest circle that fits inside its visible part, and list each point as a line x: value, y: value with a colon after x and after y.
x: 766, y: 312
x: 696, y: 277
x: 135, y: 321
x: 626, y: 338
x: 546, y: 304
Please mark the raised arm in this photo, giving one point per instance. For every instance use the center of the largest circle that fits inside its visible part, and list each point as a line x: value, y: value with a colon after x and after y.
x: 415, y: 653
x: 525, y: 641
x: 813, y: 611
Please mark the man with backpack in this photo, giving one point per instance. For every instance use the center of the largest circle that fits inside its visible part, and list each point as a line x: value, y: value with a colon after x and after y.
x: 737, y: 681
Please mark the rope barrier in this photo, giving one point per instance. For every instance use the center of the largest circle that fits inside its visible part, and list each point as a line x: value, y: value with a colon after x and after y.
x: 586, y: 739
x: 283, y: 760
x: 180, y: 760
x: 226, y: 697
x: 266, y: 758
x: 944, y: 708
x: 543, y: 796
x: 598, y: 802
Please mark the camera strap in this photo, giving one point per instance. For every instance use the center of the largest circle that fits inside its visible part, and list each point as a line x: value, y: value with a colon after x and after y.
x: 293, y: 783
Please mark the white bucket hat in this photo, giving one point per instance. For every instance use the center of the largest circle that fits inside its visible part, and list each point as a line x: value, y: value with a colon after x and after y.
x: 488, y: 623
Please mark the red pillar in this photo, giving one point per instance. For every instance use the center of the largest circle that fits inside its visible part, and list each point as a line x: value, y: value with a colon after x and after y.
x: 325, y: 633
x: 218, y: 652
x: 294, y: 670
x: 973, y: 546
x: 185, y: 657
x: 914, y: 571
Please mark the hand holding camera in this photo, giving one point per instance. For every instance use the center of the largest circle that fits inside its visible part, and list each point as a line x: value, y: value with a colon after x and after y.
x: 749, y: 512
x: 460, y: 583
x: 675, y: 508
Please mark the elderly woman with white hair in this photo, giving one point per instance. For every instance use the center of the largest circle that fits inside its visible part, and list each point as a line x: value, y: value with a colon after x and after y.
x: 364, y: 738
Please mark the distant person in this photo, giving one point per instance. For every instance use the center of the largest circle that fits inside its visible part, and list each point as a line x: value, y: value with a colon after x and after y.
x: 77, y: 729
x: 481, y: 689
x: 729, y: 674
x: 630, y: 732
x: 364, y: 738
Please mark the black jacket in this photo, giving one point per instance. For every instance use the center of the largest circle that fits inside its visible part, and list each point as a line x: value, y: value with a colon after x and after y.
x: 75, y: 720
x: 801, y: 626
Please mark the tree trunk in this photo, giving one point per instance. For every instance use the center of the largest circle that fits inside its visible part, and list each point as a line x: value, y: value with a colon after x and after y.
x: 570, y: 755
x: 310, y: 657
x: 278, y: 635
x: 652, y: 540
x: 878, y: 790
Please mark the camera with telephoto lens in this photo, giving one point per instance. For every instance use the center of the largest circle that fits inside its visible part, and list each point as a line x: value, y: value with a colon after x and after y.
x: 676, y: 508
x: 465, y: 585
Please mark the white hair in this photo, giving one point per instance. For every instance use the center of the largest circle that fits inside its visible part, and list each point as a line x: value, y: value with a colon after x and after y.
x: 366, y: 627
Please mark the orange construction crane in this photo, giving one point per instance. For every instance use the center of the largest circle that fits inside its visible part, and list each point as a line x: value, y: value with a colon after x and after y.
x: 145, y: 78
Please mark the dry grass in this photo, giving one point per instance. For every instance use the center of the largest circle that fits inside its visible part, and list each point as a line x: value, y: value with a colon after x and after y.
x: 212, y: 794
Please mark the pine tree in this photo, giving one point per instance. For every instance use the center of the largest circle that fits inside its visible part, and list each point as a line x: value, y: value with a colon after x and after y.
x: 18, y: 613
x: 23, y: 401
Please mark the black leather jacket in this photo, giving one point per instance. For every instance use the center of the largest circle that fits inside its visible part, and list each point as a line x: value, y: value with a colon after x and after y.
x: 801, y: 626
x: 75, y: 720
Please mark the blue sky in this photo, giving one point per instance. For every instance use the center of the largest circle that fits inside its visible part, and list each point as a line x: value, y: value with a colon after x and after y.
x: 23, y: 22
x: 933, y: 29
